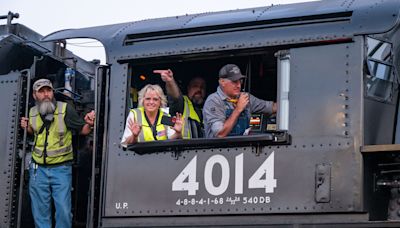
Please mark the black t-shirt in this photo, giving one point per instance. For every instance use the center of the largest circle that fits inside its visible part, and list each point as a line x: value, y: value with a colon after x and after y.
x: 177, y: 105
x: 73, y: 121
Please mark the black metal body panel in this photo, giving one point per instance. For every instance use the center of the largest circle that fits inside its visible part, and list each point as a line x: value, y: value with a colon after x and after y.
x: 326, y: 114
x: 298, y: 26
x: 9, y: 84
x: 14, y: 55
x: 326, y: 130
x: 19, y: 45
x: 289, y: 221
x: 273, y: 138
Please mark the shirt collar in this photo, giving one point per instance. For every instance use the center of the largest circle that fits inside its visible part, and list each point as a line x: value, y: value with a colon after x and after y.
x: 221, y: 93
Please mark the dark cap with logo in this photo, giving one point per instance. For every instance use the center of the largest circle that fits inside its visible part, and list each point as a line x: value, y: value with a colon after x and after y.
x: 231, y: 72
x: 42, y: 83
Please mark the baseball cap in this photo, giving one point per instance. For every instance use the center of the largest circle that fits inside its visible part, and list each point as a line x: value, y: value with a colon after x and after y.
x: 231, y: 72
x: 42, y: 83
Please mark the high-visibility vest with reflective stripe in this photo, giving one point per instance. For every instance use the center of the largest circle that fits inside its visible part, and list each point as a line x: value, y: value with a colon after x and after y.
x: 59, y: 140
x: 146, y: 134
x: 188, y: 111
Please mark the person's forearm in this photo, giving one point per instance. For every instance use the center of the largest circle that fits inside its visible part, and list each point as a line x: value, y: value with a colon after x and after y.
x: 131, y: 139
x: 172, y: 89
x: 86, y: 129
x: 274, y: 107
x: 176, y: 135
x: 29, y: 129
x: 229, y: 124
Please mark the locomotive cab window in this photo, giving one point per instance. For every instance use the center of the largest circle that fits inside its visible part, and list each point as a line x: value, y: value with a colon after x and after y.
x: 380, y: 78
x: 267, y: 78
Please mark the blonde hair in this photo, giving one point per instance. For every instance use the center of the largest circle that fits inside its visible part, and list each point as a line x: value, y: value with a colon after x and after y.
x: 155, y: 88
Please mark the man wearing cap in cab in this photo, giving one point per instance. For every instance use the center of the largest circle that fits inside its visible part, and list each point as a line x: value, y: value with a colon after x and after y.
x: 52, y: 123
x: 227, y: 112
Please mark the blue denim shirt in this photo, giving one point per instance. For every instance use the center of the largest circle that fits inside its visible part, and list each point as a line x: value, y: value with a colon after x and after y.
x: 214, y: 111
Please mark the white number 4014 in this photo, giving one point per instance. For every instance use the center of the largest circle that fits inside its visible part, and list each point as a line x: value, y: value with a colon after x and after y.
x: 263, y: 177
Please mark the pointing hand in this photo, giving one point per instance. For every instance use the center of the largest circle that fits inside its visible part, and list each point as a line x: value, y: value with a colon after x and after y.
x: 166, y: 75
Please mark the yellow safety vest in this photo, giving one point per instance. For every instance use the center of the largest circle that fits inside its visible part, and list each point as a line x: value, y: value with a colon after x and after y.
x: 188, y: 112
x: 146, y: 134
x: 59, y: 140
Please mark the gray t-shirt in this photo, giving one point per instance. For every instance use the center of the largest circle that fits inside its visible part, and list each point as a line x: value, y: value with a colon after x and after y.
x: 215, y: 107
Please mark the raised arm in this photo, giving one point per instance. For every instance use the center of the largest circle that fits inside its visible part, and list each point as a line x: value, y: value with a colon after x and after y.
x: 168, y: 77
x: 89, y: 122
x: 230, y: 122
x: 131, y: 132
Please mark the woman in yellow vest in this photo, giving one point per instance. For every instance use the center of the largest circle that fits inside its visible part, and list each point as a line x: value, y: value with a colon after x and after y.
x: 144, y: 123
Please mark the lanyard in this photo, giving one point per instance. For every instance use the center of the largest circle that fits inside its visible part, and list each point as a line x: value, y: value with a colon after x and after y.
x: 152, y: 126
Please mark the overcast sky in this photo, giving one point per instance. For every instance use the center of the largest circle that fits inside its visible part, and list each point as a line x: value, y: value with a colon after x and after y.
x: 47, y: 16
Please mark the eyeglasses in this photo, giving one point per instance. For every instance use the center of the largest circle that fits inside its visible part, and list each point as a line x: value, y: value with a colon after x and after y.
x: 155, y: 99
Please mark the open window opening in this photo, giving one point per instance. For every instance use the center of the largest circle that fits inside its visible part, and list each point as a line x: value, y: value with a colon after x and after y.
x: 70, y: 85
x: 260, y: 67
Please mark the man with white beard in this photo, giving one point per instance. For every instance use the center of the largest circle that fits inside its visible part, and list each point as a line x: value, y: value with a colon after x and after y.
x: 50, y: 170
